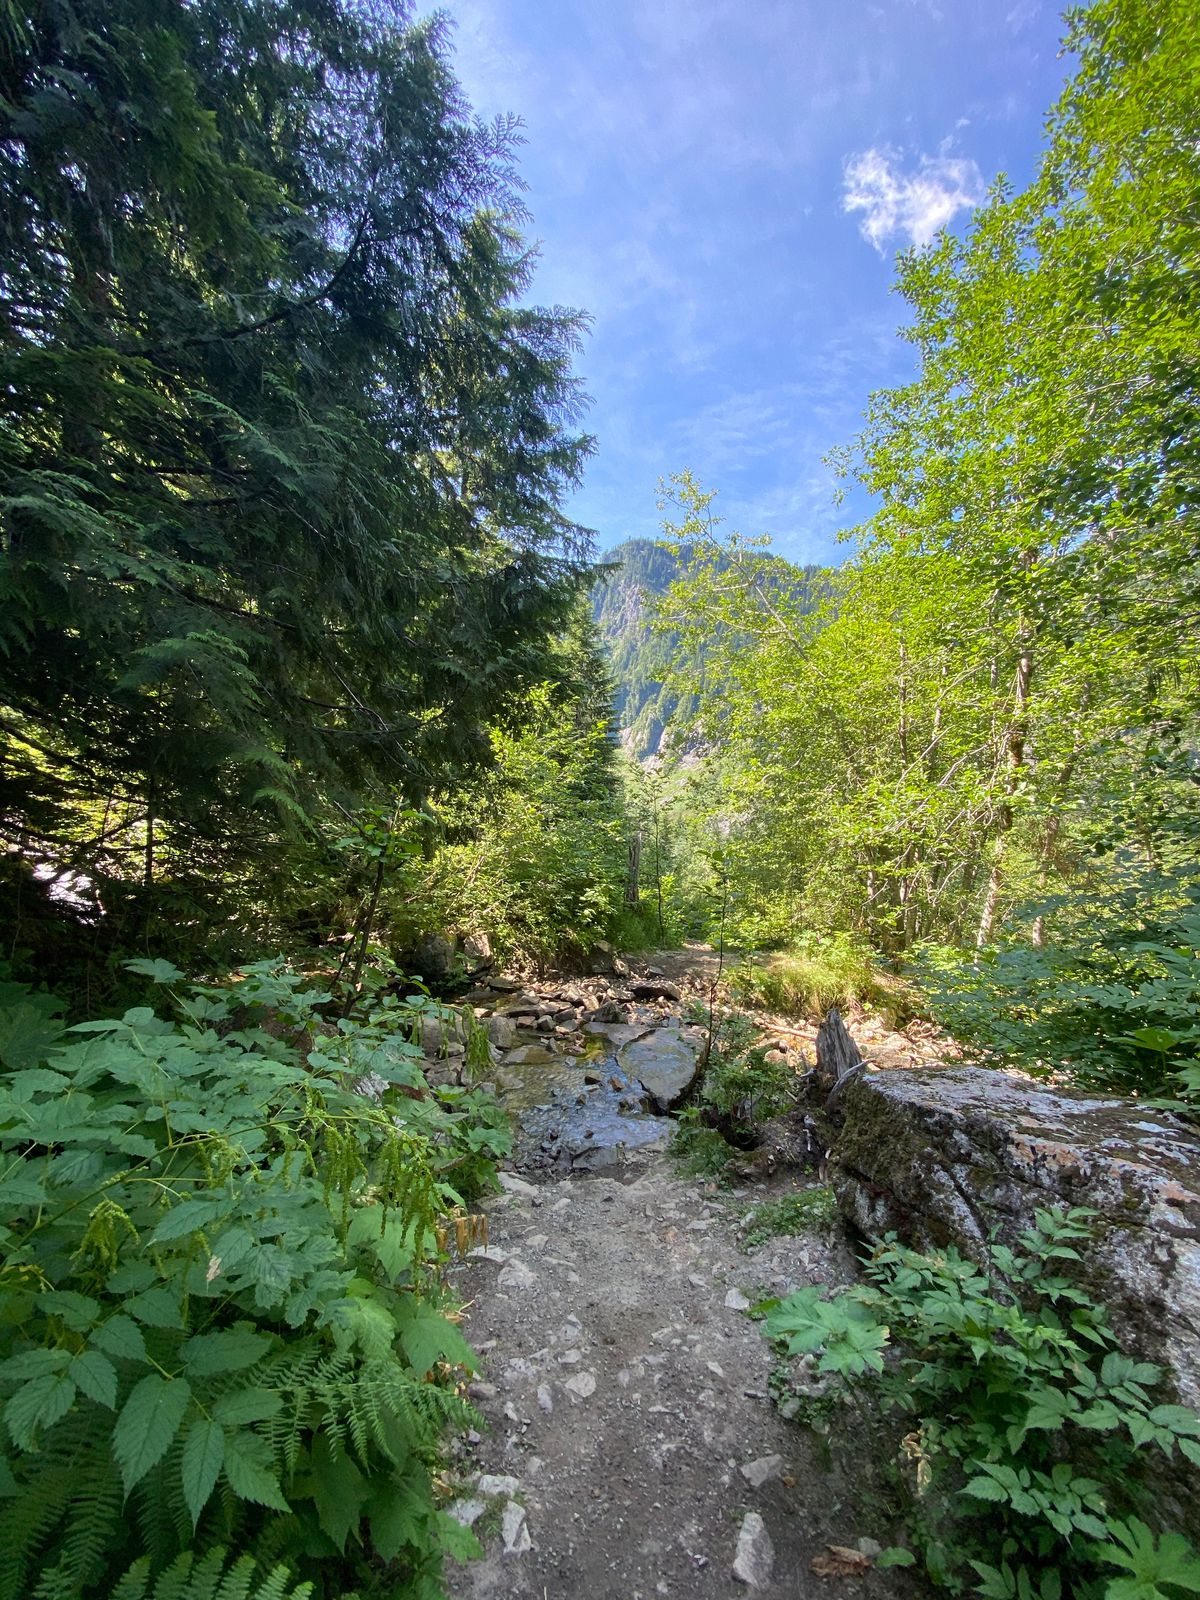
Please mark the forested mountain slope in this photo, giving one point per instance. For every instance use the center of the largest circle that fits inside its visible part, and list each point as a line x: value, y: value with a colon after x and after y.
x: 640, y: 572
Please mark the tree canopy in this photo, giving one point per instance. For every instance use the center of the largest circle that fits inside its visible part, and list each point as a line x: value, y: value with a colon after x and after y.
x: 283, y: 456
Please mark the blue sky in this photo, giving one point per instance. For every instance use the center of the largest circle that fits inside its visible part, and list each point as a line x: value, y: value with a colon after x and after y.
x: 723, y: 185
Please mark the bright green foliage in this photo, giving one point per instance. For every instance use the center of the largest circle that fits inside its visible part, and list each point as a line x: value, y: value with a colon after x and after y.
x: 536, y: 854
x: 282, y: 456
x: 739, y: 1089
x: 1025, y: 1428
x: 1009, y: 661
x: 641, y: 643
x: 218, y: 1311
x: 813, y: 974
x: 1114, y: 999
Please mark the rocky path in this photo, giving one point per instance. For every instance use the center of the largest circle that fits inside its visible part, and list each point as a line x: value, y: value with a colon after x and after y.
x: 632, y: 1449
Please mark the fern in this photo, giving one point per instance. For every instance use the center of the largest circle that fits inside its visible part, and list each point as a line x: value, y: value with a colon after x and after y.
x: 211, y: 1577
x: 95, y: 1515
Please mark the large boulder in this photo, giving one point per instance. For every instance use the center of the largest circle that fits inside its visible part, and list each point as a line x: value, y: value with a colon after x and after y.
x: 951, y: 1155
x: 665, y: 1062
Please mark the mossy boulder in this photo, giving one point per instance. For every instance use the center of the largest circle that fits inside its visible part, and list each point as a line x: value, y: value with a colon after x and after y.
x: 952, y: 1155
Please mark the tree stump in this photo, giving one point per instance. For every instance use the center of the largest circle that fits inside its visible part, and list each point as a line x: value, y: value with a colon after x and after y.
x: 837, y: 1054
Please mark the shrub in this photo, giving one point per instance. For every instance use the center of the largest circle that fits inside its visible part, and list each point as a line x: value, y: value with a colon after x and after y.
x: 816, y: 973
x: 220, y: 1314
x: 740, y: 1088
x: 1023, y: 1428
x: 1115, y: 1004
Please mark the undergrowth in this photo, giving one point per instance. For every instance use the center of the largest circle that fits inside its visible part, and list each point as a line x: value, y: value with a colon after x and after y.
x: 1021, y: 1433
x: 817, y: 973
x: 222, y: 1324
x: 789, y: 1214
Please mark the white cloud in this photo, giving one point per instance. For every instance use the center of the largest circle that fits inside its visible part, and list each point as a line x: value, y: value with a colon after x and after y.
x: 912, y: 204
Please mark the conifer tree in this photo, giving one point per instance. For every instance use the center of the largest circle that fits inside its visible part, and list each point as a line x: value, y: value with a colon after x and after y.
x: 282, y: 455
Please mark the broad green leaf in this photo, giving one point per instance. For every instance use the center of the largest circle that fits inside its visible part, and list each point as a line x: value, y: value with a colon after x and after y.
x: 340, y: 1491
x: 190, y: 1216
x: 228, y: 1350
x: 247, y: 1405
x: 95, y: 1375
x: 148, y: 1423
x: 120, y: 1337
x: 37, y: 1405
x: 895, y: 1555
x: 158, y: 971
x: 202, y: 1458
x: 250, y: 1470
x: 984, y: 1488
x: 460, y: 1543
x: 33, y: 1364
x: 427, y: 1338
x: 157, y: 1308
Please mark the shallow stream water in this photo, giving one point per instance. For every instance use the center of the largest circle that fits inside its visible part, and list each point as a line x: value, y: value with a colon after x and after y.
x: 578, y: 1113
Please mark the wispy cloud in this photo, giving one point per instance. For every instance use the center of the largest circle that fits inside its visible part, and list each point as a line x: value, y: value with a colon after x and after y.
x: 912, y: 204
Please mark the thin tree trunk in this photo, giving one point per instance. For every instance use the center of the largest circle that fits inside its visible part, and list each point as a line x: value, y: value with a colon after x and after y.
x: 1014, y: 761
x: 633, y: 882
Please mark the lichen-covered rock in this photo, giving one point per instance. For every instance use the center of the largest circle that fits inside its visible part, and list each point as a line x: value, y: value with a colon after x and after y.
x: 947, y: 1156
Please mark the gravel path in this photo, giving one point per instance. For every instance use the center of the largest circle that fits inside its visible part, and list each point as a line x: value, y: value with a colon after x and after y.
x: 631, y: 1446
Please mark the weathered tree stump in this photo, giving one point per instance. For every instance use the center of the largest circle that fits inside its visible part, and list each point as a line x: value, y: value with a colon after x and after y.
x: 838, y: 1057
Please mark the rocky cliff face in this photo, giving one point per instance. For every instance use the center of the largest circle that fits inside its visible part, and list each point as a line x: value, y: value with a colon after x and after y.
x: 949, y: 1156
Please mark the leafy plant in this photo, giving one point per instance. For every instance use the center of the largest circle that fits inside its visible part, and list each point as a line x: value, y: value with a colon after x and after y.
x: 212, y: 1577
x: 220, y: 1311
x: 740, y: 1087
x: 1024, y: 1429
x: 700, y: 1150
x: 1114, y: 1000
x: 790, y: 1214
x: 814, y: 974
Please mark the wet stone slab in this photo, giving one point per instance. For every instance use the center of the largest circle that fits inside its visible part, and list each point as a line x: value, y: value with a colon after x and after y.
x: 664, y: 1062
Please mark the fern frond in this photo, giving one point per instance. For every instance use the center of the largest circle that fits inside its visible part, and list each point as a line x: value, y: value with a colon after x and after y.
x: 93, y: 1531
x: 210, y: 1578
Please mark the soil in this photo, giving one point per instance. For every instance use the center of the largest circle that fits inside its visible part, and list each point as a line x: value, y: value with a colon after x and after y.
x: 628, y: 1395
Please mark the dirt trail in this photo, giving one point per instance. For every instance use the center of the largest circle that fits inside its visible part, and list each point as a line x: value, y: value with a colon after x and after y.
x: 627, y: 1400
x: 632, y: 1448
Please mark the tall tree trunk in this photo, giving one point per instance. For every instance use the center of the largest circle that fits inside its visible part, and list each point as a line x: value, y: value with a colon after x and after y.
x: 633, y: 881
x: 1014, y: 760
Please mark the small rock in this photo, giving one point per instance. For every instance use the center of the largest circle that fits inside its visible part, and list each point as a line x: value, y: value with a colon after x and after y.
x: 544, y: 1398
x: 766, y: 1468
x: 489, y: 1252
x: 871, y: 1548
x: 581, y: 1385
x: 654, y: 989
x: 515, y: 1185
x: 735, y: 1300
x: 516, y: 1275
x: 696, y: 1281
x: 514, y: 1531
x: 755, y: 1553
x: 502, y: 1032
x: 493, y: 1484
x: 467, y: 1511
